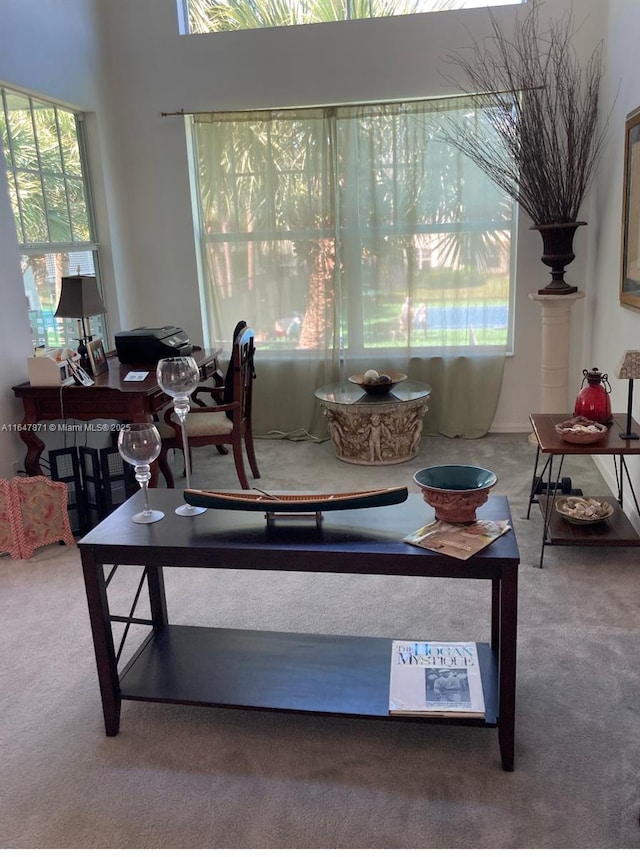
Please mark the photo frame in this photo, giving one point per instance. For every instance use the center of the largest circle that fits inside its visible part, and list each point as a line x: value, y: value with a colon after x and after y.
x: 97, y: 356
x: 630, y: 262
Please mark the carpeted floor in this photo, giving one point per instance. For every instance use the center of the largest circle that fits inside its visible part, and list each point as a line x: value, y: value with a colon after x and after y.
x: 180, y: 777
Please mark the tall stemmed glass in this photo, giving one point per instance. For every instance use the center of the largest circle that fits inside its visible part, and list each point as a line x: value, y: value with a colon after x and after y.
x: 178, y: 377
x: 139, y: 444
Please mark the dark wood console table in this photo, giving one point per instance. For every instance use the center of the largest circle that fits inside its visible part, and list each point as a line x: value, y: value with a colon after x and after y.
x: 617, y: 531
x: 277, y: 671
x: 110, y: 398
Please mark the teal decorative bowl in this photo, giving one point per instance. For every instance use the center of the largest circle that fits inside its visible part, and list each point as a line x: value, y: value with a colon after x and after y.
x: 455, y: 490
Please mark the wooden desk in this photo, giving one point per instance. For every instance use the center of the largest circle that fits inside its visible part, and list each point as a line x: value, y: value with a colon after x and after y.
x: 276, y: 670
x: 614, y: 532
x: 110, y: 398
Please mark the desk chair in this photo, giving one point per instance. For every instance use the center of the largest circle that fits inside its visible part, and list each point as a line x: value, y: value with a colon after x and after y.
x: 217, y: 425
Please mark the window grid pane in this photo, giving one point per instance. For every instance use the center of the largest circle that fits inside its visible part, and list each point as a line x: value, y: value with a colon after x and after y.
x: 42, y: 273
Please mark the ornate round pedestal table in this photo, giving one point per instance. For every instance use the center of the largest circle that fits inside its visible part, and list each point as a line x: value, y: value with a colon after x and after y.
x: 375, y: 430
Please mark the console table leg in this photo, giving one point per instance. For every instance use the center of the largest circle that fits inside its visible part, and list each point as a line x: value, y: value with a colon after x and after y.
x: 157, y: 597
x: 507, y: 666
x: 534, y: 481
x: 495, y: 615
x: 98, y: 604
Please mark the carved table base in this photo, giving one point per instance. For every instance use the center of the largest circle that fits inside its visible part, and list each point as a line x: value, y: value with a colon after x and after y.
x: 378, y: 434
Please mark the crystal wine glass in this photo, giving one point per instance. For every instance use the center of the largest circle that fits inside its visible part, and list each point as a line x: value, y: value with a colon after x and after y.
x: 139, y: 444
x: 178, y: 377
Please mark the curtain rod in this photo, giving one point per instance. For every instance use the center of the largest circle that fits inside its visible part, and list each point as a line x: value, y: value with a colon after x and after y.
x: 183, y: 112
x: 458, y: 95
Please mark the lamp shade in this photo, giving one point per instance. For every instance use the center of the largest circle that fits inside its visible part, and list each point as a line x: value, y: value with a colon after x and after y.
x: 629, y: 370
x: 79, y: 298
x: 629, y: 367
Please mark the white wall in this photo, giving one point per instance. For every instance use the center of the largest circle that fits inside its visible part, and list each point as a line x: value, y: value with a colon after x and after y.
x: 142, y: 67
x: 321, y: 64
x: 615, y: 328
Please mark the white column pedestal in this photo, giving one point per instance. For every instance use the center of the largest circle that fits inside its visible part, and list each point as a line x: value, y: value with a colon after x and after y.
x: 556, y: 325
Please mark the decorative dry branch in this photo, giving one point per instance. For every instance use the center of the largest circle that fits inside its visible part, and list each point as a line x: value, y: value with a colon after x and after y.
x: 539, y: 135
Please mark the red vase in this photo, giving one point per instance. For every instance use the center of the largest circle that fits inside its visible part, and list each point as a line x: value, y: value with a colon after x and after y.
x: 593, y: 400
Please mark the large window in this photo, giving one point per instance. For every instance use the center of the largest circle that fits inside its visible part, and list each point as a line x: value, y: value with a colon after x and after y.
x: 208, y: 16
x: 356, y: 229
x: 44, y: 151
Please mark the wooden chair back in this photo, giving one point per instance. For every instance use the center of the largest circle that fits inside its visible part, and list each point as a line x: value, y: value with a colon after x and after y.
x: 228, y: 422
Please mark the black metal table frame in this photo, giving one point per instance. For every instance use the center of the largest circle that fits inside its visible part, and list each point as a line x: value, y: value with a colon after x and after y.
x: 552, y: 487
x: 346, y: 542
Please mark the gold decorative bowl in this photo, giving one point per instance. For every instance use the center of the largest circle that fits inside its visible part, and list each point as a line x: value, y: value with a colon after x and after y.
x: 583, y: 510
x: 581, y: 430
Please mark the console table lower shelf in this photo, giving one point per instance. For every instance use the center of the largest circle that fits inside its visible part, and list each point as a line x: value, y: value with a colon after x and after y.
x: 278, y: 671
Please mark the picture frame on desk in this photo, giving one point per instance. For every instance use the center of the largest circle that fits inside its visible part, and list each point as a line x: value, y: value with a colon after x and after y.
x: 79, y: 375
x: 97, y: 357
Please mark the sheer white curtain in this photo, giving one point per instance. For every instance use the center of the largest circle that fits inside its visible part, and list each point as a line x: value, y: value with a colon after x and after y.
x: 354, y: 238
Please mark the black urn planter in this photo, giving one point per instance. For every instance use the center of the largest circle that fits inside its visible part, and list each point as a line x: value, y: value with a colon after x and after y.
x: 557, y: 245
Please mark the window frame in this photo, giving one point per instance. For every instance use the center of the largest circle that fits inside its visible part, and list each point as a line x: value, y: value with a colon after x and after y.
x: 63, y: 333
x: 351, y: 313
x: 185, y: 18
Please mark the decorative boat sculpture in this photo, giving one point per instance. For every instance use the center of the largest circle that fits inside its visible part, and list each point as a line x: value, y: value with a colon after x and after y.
x: 249, y: 501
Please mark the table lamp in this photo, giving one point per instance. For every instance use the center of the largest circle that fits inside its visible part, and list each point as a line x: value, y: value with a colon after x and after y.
x: 80, y: 298
x: 629, y: 369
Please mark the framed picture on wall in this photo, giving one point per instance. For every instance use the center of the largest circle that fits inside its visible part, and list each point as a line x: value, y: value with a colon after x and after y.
x: 630, y: 267
x: 97, y: 356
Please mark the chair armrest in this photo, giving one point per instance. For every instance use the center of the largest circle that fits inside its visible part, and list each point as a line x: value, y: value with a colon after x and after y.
x: 216, y: 409
x: 217, y: 393
x: 173, y: 423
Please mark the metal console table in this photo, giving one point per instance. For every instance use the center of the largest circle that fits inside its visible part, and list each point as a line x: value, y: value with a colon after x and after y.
x: 617, y: 531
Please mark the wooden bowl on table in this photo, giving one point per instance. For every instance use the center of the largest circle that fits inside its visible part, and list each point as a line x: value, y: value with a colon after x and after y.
x: 583, y: 510
x: 580, y: 430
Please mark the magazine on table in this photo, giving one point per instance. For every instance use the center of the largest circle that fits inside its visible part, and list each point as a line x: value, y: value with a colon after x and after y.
x: 435, y: 680
x: 457, y: 540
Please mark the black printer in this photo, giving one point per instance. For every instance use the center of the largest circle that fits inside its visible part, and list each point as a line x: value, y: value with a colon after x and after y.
x: 150, y: 344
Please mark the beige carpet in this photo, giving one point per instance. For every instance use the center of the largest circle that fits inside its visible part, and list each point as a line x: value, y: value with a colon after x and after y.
x: 207, y: 778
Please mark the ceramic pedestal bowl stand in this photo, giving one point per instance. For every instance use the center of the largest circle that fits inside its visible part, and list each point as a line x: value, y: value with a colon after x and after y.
x: 455, y: 490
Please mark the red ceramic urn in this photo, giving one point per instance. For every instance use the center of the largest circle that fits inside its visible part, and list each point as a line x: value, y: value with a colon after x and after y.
x: 593, y: 400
